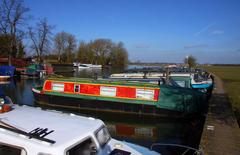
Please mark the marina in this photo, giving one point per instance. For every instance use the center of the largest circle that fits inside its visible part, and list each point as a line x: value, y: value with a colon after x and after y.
x: 119, y: 77
x: 137, y: 129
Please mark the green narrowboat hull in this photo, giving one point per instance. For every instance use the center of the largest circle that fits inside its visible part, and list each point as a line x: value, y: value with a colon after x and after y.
x: 180, y: 100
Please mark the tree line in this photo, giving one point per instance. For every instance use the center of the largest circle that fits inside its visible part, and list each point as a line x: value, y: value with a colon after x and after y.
x: 62, y: 46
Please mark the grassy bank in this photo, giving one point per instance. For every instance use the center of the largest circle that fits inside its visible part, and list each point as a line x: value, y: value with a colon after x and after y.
x: 231, y: 78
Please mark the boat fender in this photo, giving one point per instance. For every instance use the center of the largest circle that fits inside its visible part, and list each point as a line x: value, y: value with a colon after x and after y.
x: 5, y: 108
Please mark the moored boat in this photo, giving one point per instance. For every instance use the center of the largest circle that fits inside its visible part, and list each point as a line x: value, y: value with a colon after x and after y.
x: 28, y: 130
x: 36, y: 70
x: 188, y: 80
x: 85, y: 66
x: 6, y: 72
x: 119, y: 96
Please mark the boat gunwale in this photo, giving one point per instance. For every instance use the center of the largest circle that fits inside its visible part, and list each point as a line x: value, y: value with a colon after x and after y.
x: 105, y: 82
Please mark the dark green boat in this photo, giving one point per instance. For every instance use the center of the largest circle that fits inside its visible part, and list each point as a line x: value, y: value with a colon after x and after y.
x: 120, y: 96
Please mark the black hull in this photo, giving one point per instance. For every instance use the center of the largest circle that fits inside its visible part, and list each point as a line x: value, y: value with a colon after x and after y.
x: 103, y: 106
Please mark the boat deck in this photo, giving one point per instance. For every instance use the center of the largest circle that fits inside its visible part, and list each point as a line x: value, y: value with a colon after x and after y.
x: 221, y: 133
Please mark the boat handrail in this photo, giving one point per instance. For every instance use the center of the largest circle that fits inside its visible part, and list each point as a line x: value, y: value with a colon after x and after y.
x: 31, y: 134
x: 196, y: 151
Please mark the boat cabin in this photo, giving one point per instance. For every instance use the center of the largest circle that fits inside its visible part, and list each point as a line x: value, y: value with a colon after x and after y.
x: 32, y: 131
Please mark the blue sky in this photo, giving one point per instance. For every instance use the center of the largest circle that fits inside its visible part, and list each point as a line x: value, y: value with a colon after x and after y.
x: 152, y: 30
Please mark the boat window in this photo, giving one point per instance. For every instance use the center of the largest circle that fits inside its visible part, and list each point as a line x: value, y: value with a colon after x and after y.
x: 11, y: 150
x: 58, y: 87
x: 87, y: 147
x: 147, y: 94
x: 117, y: 152
x: 76, y: 88
x: 102, y: 136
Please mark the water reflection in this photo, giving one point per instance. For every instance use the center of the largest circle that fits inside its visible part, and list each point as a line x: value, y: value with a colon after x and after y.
x: 142, y: 130
x: 20, y: 91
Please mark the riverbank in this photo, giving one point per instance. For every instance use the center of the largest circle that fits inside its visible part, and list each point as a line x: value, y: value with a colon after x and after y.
x: 230, y: 76
x: 221, y: 134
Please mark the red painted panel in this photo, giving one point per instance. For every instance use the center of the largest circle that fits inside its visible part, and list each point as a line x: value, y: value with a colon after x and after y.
x: 69, y: 87
x: 48, y: 85
x: 125, y: 130
x: 126, y: 92
x: 154, y: 131
x: 156, y: 94
x: 90, y: 89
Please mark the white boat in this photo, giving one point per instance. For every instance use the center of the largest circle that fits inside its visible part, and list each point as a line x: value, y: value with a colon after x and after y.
x: 32, y: 131
x: 75, y: 64
x: 93, y: 66
x: 85, y: 66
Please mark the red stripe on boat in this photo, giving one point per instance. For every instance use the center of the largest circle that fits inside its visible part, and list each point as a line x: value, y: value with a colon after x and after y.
x: 126, y: 92
x: 90, y: 89
x: 156, y: 94
x: 48, y: 85
x: 93, y: 89
x: 69, y: 87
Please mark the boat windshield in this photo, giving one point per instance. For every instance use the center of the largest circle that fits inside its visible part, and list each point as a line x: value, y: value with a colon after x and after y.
x: 86, y: 147
x: 198, y: 78
x: 83, y: 65
x: 173, y: 83
x: 102, y: 136
x: 119, y: 152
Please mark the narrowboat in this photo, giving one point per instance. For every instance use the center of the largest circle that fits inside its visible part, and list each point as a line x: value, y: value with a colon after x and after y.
x: 188, y: 80
x: 33, y: 131
x: 119, y: 96
x: 36, y: 70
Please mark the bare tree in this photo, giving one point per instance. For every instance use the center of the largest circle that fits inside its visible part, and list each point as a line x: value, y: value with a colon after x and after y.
x: 65, y: 45
x: 60, y: 43
x: 190, y: 61
x: 71, y: 47
x: 104, y: 52
x: 82, y: 52
x: 118, y: 56
x: 41, y: 38
x: 12, y: 17
x: 102, y: 49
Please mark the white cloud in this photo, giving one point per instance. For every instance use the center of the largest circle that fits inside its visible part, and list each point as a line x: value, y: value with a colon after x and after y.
x: 204, y: 29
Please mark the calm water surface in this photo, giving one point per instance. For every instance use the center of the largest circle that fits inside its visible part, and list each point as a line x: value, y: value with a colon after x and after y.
x: 132, y: 128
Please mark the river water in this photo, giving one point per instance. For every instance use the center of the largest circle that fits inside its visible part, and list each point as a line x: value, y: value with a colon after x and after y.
x: 142, y: 130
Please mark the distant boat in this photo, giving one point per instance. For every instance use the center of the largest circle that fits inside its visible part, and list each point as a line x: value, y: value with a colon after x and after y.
x: 188, y: 80
x: 35, y: 70
x: 7, y: 71
x: 85, y: 66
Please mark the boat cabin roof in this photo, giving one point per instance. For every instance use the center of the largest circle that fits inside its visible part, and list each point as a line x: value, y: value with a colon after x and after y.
x: 63, y: 128
x: 104, y: 81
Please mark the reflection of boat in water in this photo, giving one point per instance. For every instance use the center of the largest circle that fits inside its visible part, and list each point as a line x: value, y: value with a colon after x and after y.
x: 4, y: 82
x: 4, y: 78
x: 133, y: 131
x: 29, y: 130
x: 119, y: 96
